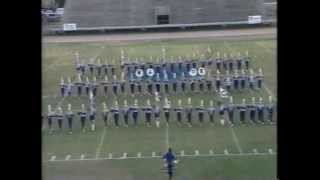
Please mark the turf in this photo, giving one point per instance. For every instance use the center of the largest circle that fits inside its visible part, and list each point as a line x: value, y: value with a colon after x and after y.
x: 58, y: 60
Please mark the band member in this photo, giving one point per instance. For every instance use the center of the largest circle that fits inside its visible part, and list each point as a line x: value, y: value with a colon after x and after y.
x: 150, y: 87
x: 166, y: 110
x: 135, y: 112
x: 82, y: 68
x: 259, y: 78
x: 178, y: 110
x: 83, y: 117
x: 200, y: 111
x: 88, y: 86
x: 192, y: 85
x: 69, y: 87
x: 239, y: 61
x: 115, y: 111
x: 63, y: 87
x: 252, y: 80
x: 156, y: 112
x: 125, y: 112
x: 227, y: 81
x: 105, y: 85
x: 222, y: 108
x: 247, y: 60
x: 218, y: 81
x: 236, y: 80
x: 105, y: 113
x: 94, y: 86
x: 79, y: 84
x: 188, y: 110
x: 99, y: 68
x: 50, y: 117
x: 211, y: 111
x: 225, y: 62
x: 261, y: 107
x: 270, y: 108
x: 91, y: 66
x: 183, y: 85
x: 243, y: 80
x: 230, y: 63
x: 123, y: 84
x: 252, y: 109
x: 242, y: 110
x: 231, y: 108
x: 218, y: 62
x: 115, y: 85
x: 148, y: 111
x: 69, y: 116
x: 92, y: 117
x: 60, y: 117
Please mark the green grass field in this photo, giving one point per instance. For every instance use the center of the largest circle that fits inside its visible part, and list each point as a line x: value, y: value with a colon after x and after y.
x: 58, y: 60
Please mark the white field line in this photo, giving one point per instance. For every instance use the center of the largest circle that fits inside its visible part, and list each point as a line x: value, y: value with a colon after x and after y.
x: 167, y: 137
x: 98, y: 151
x: 234, y: 136
x: 156, y: 157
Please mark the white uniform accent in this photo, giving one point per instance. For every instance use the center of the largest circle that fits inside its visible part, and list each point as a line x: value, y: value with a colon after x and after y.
x: 124, y: 155
x: 110, y: 155
x: 139, y: 155
x: 68, y: 157
x: 226, y: 152
x: 196, y: 152
x: 211, y: 152
x: 270, y: 151
x: 52, y: 158
x: 182, y: 153
x: 255, y: 151
x: 153, y: 154
x: 82, y: 156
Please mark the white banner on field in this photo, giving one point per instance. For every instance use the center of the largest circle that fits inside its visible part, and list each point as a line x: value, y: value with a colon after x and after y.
x: 254, y: 19
x: 70, y: 27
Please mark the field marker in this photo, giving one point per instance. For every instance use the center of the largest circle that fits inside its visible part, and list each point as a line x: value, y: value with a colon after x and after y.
x: 226, y: 152
x: 270, y: 151
x: 139, y: 154
x: 196, y: 152
x: 110, y: 156
x: 211, y: 152
x: 153, y: 154
x: 234, y: 136
x: 101, y: 143
x: 82, y: 156
x: 255, y: 151
x: 68, y: 157
x: 167, y: 136
x: 52, y: 158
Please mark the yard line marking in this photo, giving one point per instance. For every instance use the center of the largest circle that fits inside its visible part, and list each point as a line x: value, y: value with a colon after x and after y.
x: 225, y: 154
x: 52, y: 158
x: 270, y: 151
x: 234, y: 136
x: 101, y: 143
x: 82, y: 156
x: 167, y: 136
x: 139, y: 155
x: 196, y: 152
x: 182, y: 153
x: 68, y: 157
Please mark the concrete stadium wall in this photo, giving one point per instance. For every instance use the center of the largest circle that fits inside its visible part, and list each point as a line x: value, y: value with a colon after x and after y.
x: 95, y: 13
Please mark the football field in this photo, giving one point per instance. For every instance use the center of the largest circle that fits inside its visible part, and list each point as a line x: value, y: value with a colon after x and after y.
x: 133, y: 153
